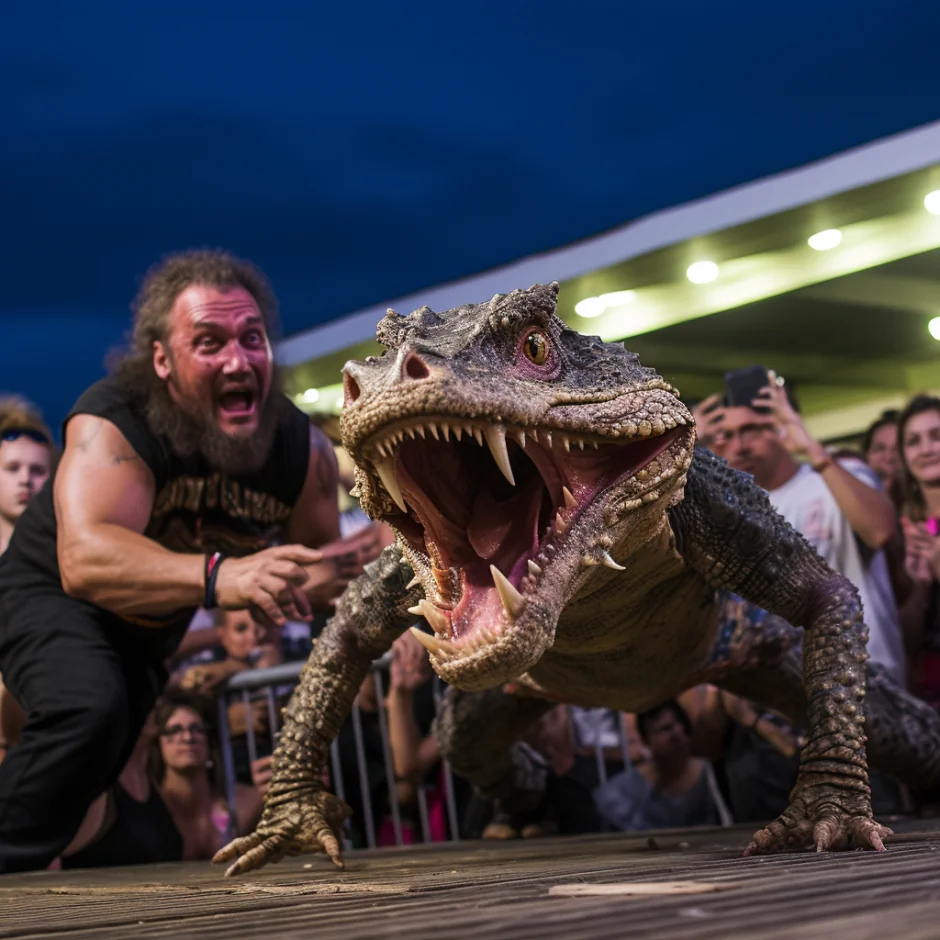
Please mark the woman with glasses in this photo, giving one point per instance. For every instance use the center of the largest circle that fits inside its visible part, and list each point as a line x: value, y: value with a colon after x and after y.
x: 167, y: 804
x: 27, y: 455
x: 182, y: 766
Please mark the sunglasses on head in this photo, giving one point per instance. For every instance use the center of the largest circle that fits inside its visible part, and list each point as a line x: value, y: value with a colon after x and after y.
x: 14, y: 433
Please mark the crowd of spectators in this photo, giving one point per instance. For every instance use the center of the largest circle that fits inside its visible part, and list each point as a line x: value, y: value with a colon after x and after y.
x: 705, y: 758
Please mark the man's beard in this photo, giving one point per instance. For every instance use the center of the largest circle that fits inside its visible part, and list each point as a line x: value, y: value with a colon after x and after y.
x: 191, y: 434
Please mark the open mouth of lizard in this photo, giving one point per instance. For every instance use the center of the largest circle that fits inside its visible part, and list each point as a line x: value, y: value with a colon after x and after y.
x: 486, y: 508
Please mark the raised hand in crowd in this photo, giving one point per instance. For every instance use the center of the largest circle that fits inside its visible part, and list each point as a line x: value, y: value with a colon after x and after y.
x: 410, y: 667
x: 708, y: 415
x: 921, y: 552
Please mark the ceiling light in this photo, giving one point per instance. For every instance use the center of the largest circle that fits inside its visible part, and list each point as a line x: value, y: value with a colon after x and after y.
x: 590, y: 307
x: 702, y: 272
x: 932, y: 202
x: 619, y: 298
x: 823, y: 241
x: 933, y: 328
x: 310, y: 396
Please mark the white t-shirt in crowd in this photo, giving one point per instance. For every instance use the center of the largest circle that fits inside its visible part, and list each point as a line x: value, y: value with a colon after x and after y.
x: 809, y: 506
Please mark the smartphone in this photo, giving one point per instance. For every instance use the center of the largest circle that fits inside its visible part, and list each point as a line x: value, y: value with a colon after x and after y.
x: 743, y: 385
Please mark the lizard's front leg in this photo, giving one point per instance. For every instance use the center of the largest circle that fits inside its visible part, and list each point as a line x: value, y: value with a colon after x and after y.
x: 299, y: 814
x: 728, y: 531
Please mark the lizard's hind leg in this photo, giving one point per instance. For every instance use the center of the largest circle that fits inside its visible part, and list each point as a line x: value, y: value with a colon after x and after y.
x: 481, y: 734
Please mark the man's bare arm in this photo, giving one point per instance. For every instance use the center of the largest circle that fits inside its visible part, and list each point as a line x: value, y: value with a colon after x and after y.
x: 103, y: 496
x: 314, y: 520
x: 869, y: 511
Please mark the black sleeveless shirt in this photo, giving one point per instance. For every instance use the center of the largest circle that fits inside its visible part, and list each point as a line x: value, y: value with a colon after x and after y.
x: 196, y: 509
x: 140, y: 834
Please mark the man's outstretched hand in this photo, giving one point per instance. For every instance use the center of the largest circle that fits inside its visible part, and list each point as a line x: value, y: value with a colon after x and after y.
x: 310, y: 821
x: 268, y: 583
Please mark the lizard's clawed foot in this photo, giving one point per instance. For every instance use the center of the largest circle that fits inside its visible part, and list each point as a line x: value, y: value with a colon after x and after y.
x: 311, y: 821
x: 822, y: 819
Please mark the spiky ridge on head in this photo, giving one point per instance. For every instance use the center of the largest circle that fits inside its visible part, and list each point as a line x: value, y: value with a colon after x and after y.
x: 557, y: 438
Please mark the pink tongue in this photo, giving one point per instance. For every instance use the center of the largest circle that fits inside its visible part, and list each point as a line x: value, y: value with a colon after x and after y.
x: 490, y: 523
x: 504, y: 527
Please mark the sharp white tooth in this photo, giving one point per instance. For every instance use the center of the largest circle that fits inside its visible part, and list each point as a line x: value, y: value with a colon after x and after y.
x: 478, y: 436
x: 560, y: 524
x: 496, y: 438
x: 513, y: 601
x: 411, y: 432
x: 433, y: 428
x: 434, y: 616
x: 534, y: 569
x: 440, y: 648
x: 386, y: 471
x: 534, y: 434
x: 566, y: 444
x: 589, y: 561
x: 520, y: 438
x: 570, y: 501
x: 355, y: 492
x: 458, y: 432
x: 548, y: 438
x: 594, y: 444
x: 607, y: 560
x: 445, y: 427
x: 581, y: 444
x: 380, y: 447
x: 413, y: 583
x: 420, y: 430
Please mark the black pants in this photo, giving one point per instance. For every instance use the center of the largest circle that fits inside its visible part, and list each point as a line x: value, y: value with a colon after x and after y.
x: 87, y: 683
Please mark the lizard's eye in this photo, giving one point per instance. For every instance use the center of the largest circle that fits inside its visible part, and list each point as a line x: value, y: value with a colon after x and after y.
x: 535, y: 347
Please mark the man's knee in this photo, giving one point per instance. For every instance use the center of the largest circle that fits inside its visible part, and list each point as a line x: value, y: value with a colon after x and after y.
x: 91, y: 719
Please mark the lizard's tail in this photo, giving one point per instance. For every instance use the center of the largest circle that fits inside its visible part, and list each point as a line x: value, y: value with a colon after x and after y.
x: 903, y: 732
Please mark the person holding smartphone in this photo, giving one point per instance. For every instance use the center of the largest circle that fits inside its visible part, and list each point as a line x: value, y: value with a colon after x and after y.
x: 838, y: 505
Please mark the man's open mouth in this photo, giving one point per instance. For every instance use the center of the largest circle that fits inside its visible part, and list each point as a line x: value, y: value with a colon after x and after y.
x: 237, y: 403
x: 487, y: 507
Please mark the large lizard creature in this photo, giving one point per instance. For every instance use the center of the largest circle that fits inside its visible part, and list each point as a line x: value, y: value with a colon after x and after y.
x: 565, y: 540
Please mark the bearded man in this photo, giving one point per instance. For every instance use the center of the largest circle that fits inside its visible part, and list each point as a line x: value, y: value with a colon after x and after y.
x: 179, y: 471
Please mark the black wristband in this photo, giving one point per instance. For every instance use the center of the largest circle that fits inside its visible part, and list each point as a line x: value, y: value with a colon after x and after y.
x: 213, y: 563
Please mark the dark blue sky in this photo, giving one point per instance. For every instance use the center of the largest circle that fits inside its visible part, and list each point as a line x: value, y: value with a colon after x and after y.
x: 359, y: 151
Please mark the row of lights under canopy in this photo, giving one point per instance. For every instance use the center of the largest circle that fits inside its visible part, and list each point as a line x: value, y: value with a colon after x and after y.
x: 704, y: 272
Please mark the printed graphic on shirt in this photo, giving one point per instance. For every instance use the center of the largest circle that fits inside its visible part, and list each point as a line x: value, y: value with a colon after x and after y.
x: 215, y: 513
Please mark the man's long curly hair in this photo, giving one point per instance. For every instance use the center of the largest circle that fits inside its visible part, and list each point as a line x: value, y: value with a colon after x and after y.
x: 161, y: 286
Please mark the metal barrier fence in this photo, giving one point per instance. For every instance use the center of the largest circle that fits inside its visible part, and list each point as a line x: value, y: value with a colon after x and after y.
x: 272, y: 686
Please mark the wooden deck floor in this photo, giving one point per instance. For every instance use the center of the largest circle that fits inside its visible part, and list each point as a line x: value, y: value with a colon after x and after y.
x: 520, y: 890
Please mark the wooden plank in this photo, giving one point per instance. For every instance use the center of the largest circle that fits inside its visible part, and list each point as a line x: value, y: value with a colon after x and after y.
x: 595, y: 886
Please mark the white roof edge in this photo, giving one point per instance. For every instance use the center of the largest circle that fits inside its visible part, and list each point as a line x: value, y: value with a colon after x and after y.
x: 851, y: 169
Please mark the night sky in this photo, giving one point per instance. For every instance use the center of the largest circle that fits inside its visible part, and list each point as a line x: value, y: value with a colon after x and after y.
x: 360, y: 151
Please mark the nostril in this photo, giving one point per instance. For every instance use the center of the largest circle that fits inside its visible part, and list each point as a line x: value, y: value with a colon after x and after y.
x: 414, y: 368
x: 350, y: 389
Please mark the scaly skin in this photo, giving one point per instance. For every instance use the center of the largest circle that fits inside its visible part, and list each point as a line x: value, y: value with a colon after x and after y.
x: 568, y: 542
x: 739, y: 543
x: 299, y: 815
